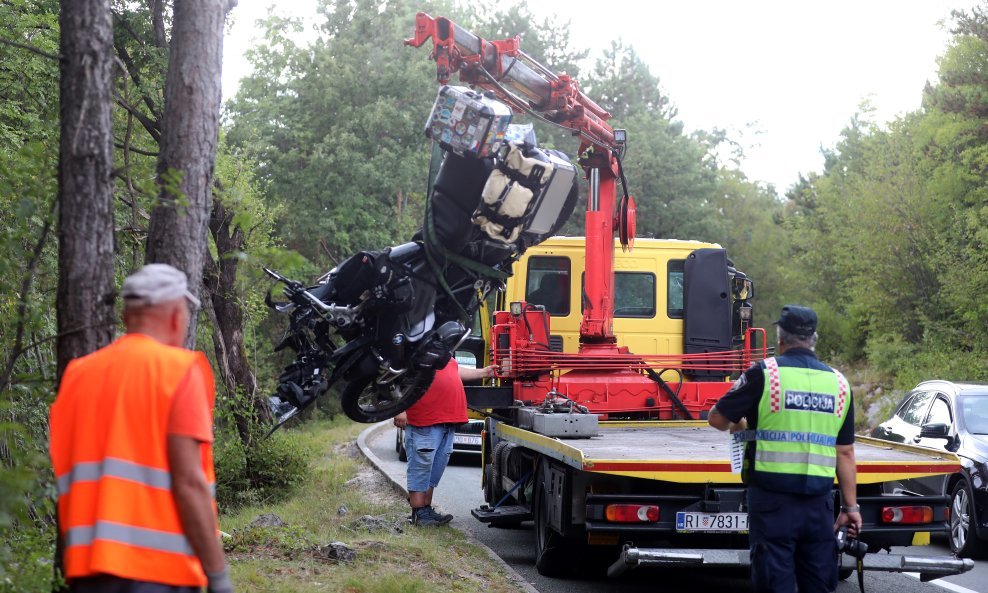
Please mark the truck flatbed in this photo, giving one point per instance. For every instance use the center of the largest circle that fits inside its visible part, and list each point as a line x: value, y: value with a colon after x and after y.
x: 694, y: 452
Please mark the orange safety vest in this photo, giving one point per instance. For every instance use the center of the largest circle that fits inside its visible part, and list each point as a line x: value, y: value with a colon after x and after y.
x: 109, y: 423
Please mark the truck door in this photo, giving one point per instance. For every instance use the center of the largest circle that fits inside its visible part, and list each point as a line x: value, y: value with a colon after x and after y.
x: 706, y: 307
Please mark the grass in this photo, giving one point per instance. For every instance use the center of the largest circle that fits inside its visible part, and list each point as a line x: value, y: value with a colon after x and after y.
x: 391, y: 556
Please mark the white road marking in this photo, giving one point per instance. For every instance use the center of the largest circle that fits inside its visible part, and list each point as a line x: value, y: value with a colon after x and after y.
x: 942, y: 583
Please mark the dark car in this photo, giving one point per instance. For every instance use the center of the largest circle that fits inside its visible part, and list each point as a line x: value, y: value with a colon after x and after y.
x: 951, y: 416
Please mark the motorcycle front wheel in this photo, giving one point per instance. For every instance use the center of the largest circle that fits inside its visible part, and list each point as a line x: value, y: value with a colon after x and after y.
x: 364, y: 399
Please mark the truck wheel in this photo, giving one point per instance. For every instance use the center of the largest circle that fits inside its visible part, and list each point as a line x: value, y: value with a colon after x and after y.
x: 963, y: 535
x: 553, y: 554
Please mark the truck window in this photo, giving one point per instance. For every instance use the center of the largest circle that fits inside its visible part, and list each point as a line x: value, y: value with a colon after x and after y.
x: 674, y: 289
x: 634, y: 294
x: 547, y: 284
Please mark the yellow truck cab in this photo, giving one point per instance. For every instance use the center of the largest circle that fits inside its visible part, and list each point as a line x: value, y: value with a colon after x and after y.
x: 648, y: 291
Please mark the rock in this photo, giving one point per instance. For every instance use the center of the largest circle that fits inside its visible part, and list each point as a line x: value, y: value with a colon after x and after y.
x: 338, y: 551
x: 371, y: 523
x: 342, y: 511
x: 380, y: 523
x: 267, y: 520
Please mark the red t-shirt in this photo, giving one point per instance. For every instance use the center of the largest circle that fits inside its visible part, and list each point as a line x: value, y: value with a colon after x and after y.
x: 444, y: 403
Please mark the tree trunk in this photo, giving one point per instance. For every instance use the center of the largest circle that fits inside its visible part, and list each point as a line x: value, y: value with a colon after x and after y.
x: 86, y: 290
x: 224, y: 310
x: 177, y: 231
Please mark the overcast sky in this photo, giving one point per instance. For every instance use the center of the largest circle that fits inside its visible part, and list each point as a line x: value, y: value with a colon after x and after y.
x: 783, y: 77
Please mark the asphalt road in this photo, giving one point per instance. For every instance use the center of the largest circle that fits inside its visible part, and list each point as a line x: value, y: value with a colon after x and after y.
x: 459, y: 492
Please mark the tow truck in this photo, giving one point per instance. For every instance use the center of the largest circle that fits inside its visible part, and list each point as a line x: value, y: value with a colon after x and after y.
x: 606, y: 449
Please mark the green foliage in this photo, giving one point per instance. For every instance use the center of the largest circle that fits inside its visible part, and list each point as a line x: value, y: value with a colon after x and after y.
x: 889, y: 243
x: 266, y: 472
x: 290, y: 541
x: 341, y: 148
x: 28, y: 165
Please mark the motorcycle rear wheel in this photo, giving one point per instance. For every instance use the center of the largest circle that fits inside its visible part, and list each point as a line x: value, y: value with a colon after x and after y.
x: 365, y: 400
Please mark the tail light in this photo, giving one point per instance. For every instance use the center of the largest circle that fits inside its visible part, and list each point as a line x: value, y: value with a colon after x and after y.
x: 907, y: 515
x: 632, y: 513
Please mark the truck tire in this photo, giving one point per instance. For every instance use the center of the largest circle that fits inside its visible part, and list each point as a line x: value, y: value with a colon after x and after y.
x: 963, y: 536
x: 553, y: 553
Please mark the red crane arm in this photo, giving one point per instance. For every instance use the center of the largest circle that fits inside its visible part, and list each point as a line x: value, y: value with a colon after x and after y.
x: 513, y: 76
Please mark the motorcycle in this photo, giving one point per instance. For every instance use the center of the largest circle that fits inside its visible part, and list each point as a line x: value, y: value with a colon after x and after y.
x: 383, y: 322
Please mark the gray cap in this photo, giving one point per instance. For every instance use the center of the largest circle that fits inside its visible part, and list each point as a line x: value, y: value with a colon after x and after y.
x: 157, y: 283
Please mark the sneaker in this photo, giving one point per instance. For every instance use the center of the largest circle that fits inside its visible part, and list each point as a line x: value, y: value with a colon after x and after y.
x: 427, y: 517
x: 443, y: 518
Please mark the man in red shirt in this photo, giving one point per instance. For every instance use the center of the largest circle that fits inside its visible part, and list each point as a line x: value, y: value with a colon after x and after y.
x: 429, y: 425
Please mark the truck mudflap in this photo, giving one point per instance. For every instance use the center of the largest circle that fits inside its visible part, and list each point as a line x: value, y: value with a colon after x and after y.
x: 928, y: 567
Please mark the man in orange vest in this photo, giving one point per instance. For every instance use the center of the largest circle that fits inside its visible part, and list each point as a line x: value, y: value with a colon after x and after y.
x: 131, y: 446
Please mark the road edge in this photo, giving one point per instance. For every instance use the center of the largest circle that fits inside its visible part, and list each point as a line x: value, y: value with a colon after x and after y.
x: 514, y: 575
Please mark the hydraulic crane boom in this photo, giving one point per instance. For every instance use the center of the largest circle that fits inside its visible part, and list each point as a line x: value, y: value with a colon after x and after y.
x: 514, y: 76
x: 501, y: 68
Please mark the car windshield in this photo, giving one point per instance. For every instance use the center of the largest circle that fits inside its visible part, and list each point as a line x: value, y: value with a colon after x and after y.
x: 974, y: 410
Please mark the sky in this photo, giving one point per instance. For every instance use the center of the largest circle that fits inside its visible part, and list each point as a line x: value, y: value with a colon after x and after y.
x: 782, y: 77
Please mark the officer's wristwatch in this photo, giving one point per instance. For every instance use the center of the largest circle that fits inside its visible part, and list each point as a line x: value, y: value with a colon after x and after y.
x: 852, y: 509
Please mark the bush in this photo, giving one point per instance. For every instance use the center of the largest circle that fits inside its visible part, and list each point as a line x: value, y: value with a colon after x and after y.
x: 268, y: 472
x: 27, y: 494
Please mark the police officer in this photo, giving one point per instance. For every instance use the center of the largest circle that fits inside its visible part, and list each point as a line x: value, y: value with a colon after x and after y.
x: 798, y: 418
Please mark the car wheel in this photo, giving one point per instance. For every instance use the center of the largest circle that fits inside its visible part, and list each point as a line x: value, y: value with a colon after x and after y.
x: 400, y: 446
x: 963, y: 537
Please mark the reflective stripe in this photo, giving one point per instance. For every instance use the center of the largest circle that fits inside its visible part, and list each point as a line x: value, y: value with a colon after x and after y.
x: 92, y: 471
x: 786, y: 436
x: 774, y: 384
x: 803, y: 458
x: 151, y: 539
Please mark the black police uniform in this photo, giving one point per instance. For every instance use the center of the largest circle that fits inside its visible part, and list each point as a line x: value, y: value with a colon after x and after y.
x: 791, y: 536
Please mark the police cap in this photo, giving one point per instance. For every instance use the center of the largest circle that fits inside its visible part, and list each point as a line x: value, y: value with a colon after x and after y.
x: 797, y: 320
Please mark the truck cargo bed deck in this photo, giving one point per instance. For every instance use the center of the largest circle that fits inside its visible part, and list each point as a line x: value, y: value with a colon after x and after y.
x: 684, y: 451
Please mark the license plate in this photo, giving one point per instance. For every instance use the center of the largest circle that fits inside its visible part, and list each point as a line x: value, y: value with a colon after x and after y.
x: 712, y: 522
x: 466, y: 439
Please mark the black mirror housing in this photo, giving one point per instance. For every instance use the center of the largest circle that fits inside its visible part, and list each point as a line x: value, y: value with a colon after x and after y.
x: 935, y: 431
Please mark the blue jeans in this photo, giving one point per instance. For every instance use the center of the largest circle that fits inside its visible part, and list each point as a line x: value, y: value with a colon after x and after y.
x: 792, y: 542
x: 428, y: 449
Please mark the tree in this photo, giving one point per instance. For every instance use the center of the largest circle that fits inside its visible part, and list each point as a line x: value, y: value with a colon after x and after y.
x: 86, y: 291
x: 222, y: 301
x: 177, y: 232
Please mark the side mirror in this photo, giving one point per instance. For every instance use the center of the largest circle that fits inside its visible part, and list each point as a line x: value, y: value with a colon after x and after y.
x: 742, y: 287
x: 935, y: 431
